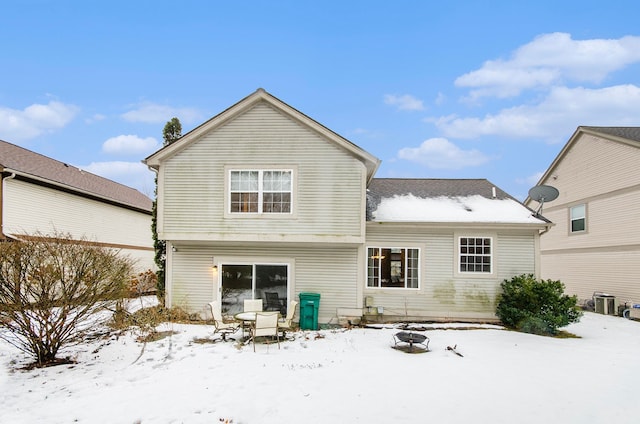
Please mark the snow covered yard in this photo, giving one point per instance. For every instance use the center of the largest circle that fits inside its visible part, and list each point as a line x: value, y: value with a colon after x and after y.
x: 341, y: 376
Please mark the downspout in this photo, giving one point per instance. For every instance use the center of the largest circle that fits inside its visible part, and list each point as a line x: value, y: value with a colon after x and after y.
x: 9, y: 177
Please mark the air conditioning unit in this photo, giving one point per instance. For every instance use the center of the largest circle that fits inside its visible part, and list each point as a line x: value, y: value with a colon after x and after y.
x: 605, y: 304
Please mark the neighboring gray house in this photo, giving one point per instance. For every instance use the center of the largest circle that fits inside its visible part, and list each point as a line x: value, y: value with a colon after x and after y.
x: 594, y: 245
x: 261, y: 198
x: 40, y: 194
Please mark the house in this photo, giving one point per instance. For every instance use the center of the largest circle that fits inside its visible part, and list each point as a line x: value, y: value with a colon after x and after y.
x: 42, y: 195
x: 594, y: 248
x: 263, y: 199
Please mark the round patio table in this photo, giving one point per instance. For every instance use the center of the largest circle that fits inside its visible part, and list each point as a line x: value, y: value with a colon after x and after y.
x: 245, y: 317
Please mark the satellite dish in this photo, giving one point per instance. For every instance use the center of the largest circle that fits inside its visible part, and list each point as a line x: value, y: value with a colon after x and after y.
x: 543, y: 193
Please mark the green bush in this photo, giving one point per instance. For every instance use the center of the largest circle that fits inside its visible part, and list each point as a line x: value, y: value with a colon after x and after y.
x: 538, y: 307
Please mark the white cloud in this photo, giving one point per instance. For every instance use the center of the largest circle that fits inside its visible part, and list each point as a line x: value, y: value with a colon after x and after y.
x: 440, y: 99
x: 152, y: 113
x: 555, y: 117
x: 132, y: 174
x: 130, y: 144
x: 531, y: 180
x: 95, y: 118
x: 405, y: 102
x: 551, y: 59
x: 18, y: 125
x: 440, y: 153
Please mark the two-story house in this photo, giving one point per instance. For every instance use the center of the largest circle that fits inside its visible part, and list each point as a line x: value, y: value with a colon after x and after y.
x: 593, y: 247
x: 262, y: 198
x: 42, y: 195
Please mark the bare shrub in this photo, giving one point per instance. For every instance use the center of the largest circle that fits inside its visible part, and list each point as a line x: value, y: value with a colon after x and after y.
x: 143, y: 283
x: 51, y: 289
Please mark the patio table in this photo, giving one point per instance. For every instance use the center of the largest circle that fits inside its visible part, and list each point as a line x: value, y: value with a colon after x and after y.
x: 245, y: 317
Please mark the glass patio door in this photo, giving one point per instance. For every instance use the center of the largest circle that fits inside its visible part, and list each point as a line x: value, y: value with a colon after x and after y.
x: 268, y: 282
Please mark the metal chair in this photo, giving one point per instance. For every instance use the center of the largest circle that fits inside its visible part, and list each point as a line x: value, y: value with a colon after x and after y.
x: 273, y: 302
x: 266, y: 324
x: 287, y: 322
x: 222, y: 327
x: 253, y: 305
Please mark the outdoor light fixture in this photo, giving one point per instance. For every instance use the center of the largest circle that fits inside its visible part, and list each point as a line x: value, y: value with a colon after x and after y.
x: 214, y: 266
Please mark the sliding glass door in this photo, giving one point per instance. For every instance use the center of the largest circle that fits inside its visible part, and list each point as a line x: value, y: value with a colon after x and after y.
x: 268, y: 282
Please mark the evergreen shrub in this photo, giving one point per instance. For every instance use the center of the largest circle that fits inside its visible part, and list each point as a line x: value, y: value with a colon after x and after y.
x: 536, y: 306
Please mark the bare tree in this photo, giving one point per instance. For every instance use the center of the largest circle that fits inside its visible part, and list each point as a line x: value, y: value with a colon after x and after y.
x: 51, y: 289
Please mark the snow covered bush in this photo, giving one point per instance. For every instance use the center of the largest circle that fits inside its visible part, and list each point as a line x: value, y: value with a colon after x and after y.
x: 51, y: 288
x: 533, y: 306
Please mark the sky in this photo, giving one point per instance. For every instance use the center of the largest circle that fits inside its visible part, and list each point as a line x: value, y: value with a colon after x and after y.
x: 335, y: 376
x: 459, y: 89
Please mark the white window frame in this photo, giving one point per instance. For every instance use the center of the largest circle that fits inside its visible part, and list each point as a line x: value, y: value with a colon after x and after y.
x: 460, y: 254
x: 228, y: 213
x: 405, y: 267
x: 573, y: 218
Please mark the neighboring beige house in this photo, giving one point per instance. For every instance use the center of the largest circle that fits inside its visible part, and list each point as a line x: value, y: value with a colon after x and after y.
x: 595, y: 243
x: 40, y: 194
x: 263, y: 199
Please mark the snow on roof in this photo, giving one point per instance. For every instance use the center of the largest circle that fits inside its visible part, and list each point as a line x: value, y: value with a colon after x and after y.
x: 410, y: 208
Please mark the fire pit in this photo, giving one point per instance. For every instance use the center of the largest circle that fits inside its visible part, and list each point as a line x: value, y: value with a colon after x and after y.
x: 411, y: 342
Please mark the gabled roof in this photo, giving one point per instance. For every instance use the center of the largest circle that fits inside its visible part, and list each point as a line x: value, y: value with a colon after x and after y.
x: 434, y: 187
x: 260, y: 95
x: 43, y: 170
x: 626, y: 135
x: 445, y: 201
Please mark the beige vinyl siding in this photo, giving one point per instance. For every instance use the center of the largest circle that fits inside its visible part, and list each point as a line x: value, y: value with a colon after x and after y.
x: 589, y: 271
x: 28, y: 208
x: 605, y: 177
x: 593, y: 166
x: 330, y: 271
x: 516, y: 255
x: 443, y: 294
x: 328, y: 196
x: 612, y: 220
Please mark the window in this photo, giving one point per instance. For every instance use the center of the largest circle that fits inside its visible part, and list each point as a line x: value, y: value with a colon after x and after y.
x: 475, y: 254
x: 393, y: 267
x: 260, y: 191
x: 578, y: 219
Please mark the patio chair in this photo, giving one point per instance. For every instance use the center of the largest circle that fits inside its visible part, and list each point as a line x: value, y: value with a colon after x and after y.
x: 273, y: 302
x: 287, y: 322
x: 253, y: 305
x: 222, y: 327
x: 266, y: 324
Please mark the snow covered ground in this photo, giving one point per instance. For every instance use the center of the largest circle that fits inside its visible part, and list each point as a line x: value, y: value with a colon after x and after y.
x: 337, y: 376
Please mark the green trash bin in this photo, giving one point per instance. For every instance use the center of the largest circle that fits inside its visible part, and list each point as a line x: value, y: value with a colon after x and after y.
x: 309, y: 305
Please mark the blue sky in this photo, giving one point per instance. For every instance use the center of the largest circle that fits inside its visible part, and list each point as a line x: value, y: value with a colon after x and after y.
x: 459, y: 89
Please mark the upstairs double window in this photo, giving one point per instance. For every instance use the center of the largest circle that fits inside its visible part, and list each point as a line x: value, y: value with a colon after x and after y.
x: 261, y: 191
